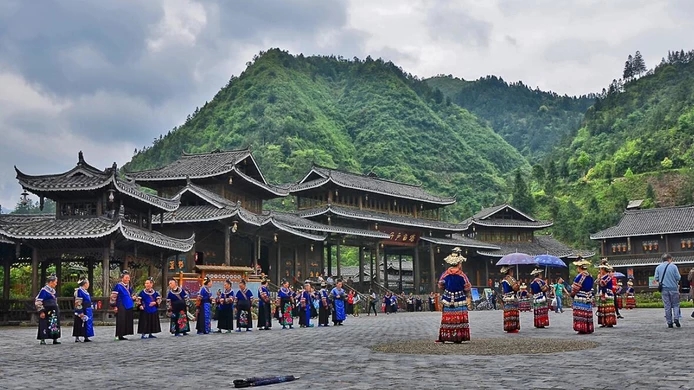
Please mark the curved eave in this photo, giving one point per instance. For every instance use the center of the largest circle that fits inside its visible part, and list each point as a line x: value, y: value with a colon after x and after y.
x: 340, y: 230
x: 160, y: 203
x: 413, y: 222
x: 598, y: 236
x: 101, y: 234
x: 240, y: 213
x: 290, y: 230
x: 200, y: 194
x: 157, y: 239
x: 278, y: 192
x: 538, y: 225
x: 25, y: 182
x: 453, y: 242
x: 502, y: 254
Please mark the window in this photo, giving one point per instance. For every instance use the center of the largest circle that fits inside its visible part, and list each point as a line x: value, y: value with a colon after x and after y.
x: 78, y: 209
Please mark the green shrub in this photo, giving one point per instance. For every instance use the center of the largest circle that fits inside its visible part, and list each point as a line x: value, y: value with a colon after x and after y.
x: 68, y: 289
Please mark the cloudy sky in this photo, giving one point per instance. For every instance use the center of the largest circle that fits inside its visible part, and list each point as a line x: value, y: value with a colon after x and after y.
x: 108, y: 76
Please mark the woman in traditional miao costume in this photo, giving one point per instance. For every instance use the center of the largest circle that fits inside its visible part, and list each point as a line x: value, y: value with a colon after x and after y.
x: 177, y: 307
x: 49, y: 313
x: 123, y: 302
x: 509, y: 289
x: 306, y: 305
x: 338, y: 297
x: 203, y: 320
x: 286, y: 297
x: 225, y: 305
x: 606, y: 312
x: 539, y: 288
x: 243, y: 301
x: 582, y: 294
x: 525, y: 303
x: 264, y: 307
x: 631, y: 297
x: 455, y: 300
x: 324, y: 308
x: 619, y: 296
x: 83, y: 323
x: 148, y: 300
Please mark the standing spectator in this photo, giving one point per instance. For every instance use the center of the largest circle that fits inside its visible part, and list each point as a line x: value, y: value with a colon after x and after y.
x: 355, y: 307
x: 690, y: 277
x: 668, y: 277
x: 432, y: 302
x: 350, y: 303
x: 559, y: 290
x: 373, y: 298
x: 493, y: 298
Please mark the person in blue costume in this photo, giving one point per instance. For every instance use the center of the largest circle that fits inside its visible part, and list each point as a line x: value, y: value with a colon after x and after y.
x: 123, y: 301
x: 49, y: 313
x: 455, y: 299
x: 582, y: 293
x: 539, y: 288
x: 338, y: 297
x: 244, y: 299
x: 225, y: 309
x: 324, y: 308
x: 83, y: 324
x: 148, y: 300
x: 509, y: 290
x: 606, y: 309
x: 307, y: 304
x: 264, y: 307
x: 286, y: 297
x: 177, y: 309
x: 204, y: 308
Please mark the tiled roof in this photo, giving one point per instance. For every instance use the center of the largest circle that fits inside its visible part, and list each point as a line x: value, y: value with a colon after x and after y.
x: 206, y: 195
x: 541, y: 244
x: 646, y: 261
x: 458, y: 240
x: 192, y: 214
x: 485, y: 217
x: 195, y: 166
x: 5, y: 240
x: 274, y: 190
x: 369, y: 183
x: 88, y: 228
x: 367, y: 215
x: 666, y: 220
x: 288, y: 229
x: 297, y: 222
x: 85, y: 177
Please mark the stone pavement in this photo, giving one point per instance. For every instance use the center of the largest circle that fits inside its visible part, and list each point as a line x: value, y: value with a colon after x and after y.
x: 640, y: 353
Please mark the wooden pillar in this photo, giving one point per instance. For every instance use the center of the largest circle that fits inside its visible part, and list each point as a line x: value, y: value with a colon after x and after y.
x: 385, y: 268
x: 6, y: 279
x: 90, y: 275
x: 257, y: 253
x: 322, y: 259
x: 105, y: 272
x: 486, y: 272
x: 376, y: 268
x: 400, y: 273
x: 371, y: 267
x: 227, y: 245
x: 165, y: 274
x: 59, y: 275
x: 305, y: 269
x: 337, y: 258
x: 330, y: 260
x: 296, y: 269
x: 361, y: 266
x: 34, y: 272
x: 278, y: 273
x: 416, y: 268
x: 432, y: 268
x: 149, y: 219
x: 43, y: 265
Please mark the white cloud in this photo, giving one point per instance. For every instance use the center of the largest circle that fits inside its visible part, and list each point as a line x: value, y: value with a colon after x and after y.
x: 182, y: 22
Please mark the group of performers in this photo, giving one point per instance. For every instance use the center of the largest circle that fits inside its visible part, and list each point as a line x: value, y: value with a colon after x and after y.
x: 456, y: 299
x: 227, y: 306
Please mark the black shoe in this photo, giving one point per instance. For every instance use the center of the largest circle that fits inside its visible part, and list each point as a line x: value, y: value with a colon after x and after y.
x: 693, y: 314
x: 677, y: 323
x: 56, y: 342
x: 86, y: 340
x: 121, y: 338
x: 669, y: 325
x: 620, y: 317
x: 77, y: 340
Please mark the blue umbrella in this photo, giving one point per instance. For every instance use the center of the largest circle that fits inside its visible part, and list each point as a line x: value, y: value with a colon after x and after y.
x: 549, y: 261
x: 516, y: 259
x: 619, y: 275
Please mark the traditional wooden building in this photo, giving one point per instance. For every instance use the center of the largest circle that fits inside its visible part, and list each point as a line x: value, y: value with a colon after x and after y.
x: 101, y: 220
x: 634, y: 246
x: 221, y: 197
x: 511, y: 230
x: 407, y: 214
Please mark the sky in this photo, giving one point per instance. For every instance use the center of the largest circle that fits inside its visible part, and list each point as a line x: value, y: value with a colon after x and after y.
x: 109, y: 76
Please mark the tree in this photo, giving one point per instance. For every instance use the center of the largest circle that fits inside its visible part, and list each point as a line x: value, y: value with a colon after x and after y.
x: 666, y: 163
x: 628, y: 69
x: 639, y: 65
x: 539, y: 173
x: 522, y: 198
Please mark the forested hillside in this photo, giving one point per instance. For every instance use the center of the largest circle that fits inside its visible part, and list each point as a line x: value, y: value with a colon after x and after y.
x: 533, y: 121
x: 359, y: 115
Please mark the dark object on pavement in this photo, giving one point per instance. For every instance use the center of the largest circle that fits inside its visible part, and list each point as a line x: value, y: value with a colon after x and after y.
x: 262, y: 381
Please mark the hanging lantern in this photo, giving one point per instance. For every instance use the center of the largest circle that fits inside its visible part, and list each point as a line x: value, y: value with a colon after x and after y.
x: 235, y: 227
x: 438, y: 249
x: 366, y: 197
x: 645, y: 247
x: 683, y: 244
x: 111, y: 197
x: 376, y: 226
x: 311, y: 247
x: 25, y: 198
x: 655, y: 246
x: 275, y: 238
x: 395, y: 202
x: 231, y: 180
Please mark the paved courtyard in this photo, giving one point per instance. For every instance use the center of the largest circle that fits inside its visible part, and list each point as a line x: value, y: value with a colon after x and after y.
x: 640, y: 353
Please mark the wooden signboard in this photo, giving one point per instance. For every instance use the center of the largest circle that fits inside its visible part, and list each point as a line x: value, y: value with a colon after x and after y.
x: 399, y: 237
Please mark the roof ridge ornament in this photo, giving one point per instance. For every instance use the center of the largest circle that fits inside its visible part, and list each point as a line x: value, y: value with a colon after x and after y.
x: 80, y: 158
x: 188, y: 180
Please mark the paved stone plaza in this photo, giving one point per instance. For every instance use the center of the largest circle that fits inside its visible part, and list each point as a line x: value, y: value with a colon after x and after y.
x: 631, y: 355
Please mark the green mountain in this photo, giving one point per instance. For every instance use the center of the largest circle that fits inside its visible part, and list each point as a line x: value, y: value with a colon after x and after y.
x: 533, y: 121
x: 360, y: 115
x: 636, y: 142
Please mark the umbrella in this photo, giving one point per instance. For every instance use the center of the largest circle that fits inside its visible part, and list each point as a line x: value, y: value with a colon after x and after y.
x: 549, y: 261
x: 619, y: 275
x: 516, y: 259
